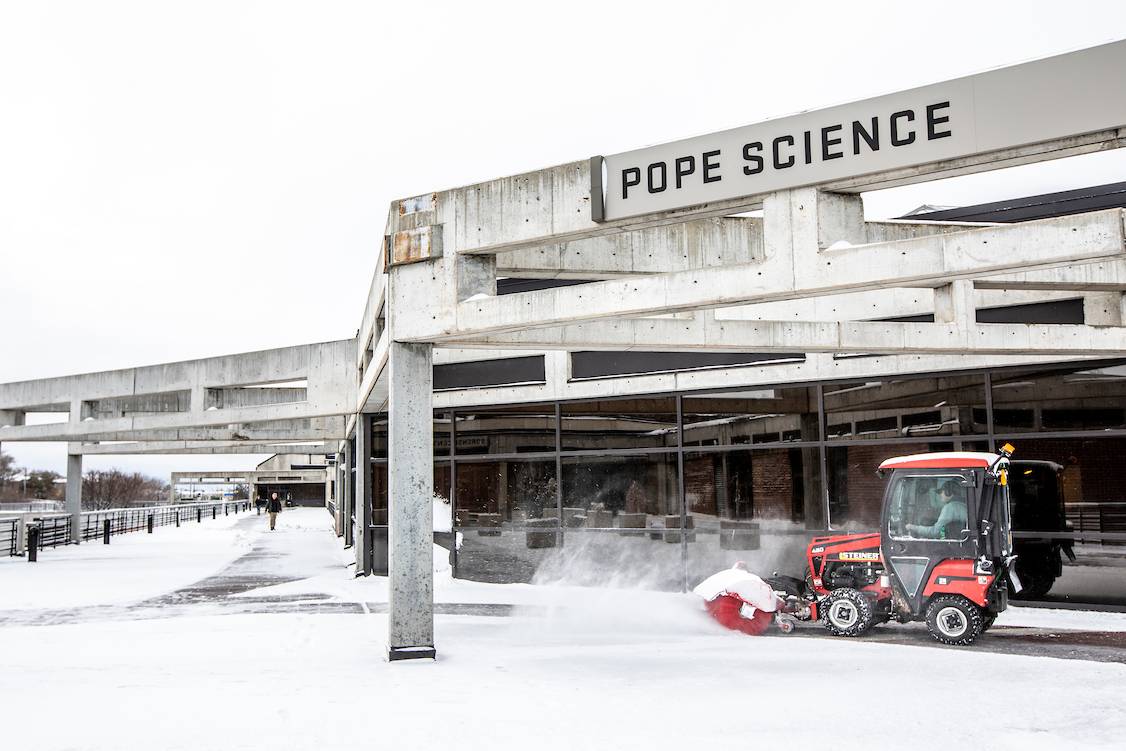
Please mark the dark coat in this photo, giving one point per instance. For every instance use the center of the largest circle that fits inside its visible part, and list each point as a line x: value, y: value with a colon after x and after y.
x: 274, y: 505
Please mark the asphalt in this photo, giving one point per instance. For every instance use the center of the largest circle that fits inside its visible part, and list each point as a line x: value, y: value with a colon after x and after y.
x: 274, y: 560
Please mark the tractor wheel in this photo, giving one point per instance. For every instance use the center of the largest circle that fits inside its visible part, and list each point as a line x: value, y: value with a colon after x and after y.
x: 987, y: 622
x: 846, y: 612
x: 952, y: 619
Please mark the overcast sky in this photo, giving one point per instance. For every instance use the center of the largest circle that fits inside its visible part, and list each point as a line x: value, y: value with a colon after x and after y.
x: 180, y: 180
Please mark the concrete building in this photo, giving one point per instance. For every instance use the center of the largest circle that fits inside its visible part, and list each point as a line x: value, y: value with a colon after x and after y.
x: 300, y: 480
x: 643, y: 366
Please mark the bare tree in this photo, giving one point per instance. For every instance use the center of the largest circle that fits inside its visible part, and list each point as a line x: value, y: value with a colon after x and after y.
x: 41, y: 485
x: 114, y: 488
x: 7, y: 467
x: 7, y: 474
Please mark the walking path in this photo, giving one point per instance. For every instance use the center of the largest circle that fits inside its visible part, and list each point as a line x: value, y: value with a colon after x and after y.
x: 302, y: 547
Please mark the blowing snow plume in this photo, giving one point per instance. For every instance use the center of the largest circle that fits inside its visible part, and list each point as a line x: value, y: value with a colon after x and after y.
x: 624, y: 585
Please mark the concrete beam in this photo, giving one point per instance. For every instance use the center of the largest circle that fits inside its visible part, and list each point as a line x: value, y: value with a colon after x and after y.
x: 1104, y: 276
x: 706, y: 335
x: 881, y: 304
x: 132, y: 448
x: 552, y: 205
x: 328, y: 392
x: 814, y: 367
x: 309, y: 429
x: 924, y: 262
x: 698, y: 244
x: 182, y: 425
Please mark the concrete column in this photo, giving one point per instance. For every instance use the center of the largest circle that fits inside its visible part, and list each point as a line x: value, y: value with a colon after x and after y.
x: 74, y: 494
x: 800, y: 223
x: 954, y: 303
x: 410, y: 631
x: 814, y: 499
x: 340, y: 486
x: 363, y: 495
x: 349, y: 502
x: 1104, y: 309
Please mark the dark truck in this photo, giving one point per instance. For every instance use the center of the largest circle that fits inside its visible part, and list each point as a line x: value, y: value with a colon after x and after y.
x: 1037, y: 505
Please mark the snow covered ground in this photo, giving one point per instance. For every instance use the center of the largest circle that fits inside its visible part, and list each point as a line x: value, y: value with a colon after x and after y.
x: 574, y: 668
x: 134, y: 566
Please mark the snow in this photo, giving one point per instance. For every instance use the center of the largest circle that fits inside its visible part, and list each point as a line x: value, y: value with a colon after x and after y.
x: 1062, y: 620
x: 134, y: 566
x: 321, y: 681
x: 742, y: 584
x: 575, y: 667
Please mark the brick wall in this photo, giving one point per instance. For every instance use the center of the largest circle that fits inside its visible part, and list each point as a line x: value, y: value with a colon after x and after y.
x: 865, y: 489
x: 773, y: 484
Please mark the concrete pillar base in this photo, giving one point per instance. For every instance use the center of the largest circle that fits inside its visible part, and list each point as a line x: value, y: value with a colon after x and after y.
x: 395, y: 654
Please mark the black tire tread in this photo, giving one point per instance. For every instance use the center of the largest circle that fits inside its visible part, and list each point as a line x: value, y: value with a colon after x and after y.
x: 973, y: 615
x: 858, y: 600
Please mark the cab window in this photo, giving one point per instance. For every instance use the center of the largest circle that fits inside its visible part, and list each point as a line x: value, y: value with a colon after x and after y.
x: 929, y: 507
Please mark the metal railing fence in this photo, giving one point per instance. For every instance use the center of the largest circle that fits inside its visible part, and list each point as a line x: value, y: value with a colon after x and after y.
x: 55, y: 529
x: 9, y: 534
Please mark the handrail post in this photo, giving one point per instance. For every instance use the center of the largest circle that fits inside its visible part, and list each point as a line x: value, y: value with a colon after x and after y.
x: 32, y: 542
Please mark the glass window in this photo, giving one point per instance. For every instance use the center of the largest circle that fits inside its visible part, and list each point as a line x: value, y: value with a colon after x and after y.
x: 772, y: 484
x: 633, y: 491
x: 619, y: 424
x: 504, y: 555
x: 751, y: 506
x: 771, y: 415
x: 1080, y: 397
x: 906, y: 408
x: 856, y: 492
x: 525, y: 429
x: 492, y: 493
x: 379, y: 431
x: 929, y: 507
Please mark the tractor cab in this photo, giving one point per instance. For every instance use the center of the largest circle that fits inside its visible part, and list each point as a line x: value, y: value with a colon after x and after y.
x: 945, y: 526
x: 942, y: 553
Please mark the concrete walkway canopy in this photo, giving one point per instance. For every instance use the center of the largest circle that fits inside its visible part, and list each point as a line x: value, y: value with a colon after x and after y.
x: 672, y: 262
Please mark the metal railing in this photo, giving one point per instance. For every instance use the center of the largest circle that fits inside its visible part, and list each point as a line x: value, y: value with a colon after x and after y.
x: 55, y: 529
x: 9, y: 535
x: 1105, y: 521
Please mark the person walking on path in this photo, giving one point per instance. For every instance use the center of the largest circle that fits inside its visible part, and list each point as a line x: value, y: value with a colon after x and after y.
x: 273, y: 508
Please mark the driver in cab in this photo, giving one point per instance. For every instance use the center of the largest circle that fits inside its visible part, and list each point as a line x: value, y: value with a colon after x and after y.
x: 953, y: 515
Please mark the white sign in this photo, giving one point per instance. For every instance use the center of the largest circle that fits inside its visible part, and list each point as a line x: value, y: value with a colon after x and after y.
x: 1057, y: 97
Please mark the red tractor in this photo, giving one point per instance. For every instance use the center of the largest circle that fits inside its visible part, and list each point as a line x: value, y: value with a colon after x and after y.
x: 942, y: 554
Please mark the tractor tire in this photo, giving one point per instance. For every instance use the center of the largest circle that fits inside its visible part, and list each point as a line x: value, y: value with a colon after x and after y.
x: 987, y: 622
x: 847, y: 612
x: 952, y: 619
